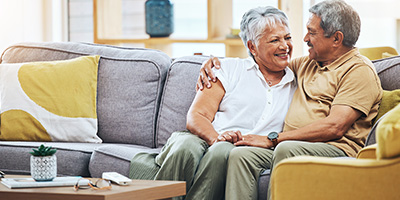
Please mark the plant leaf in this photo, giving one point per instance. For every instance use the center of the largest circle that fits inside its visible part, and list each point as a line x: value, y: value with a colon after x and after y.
x: 52, y: 151
x: 41, y: 147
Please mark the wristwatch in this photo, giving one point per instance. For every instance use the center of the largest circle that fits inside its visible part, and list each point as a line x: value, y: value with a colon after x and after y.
x: 273, y: 136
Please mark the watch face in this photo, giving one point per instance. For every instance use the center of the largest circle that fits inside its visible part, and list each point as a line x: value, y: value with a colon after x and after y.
x: 272, y: 135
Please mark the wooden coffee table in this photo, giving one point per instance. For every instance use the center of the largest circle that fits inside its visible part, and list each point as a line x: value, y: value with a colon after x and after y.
x: 138, y: 189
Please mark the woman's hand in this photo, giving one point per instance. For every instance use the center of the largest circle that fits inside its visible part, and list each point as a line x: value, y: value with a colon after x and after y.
x: 206, y: 73
x: 230, y: 136
x: 255, y: 141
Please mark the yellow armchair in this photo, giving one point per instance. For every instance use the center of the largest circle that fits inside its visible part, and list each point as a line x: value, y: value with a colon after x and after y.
x: 375, y: 53
x: 328, y: 178
x: 368, y: 152
x: 375, y: 174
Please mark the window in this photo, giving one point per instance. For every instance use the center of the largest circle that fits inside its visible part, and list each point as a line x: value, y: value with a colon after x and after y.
x: 191, y: 21
x: 80, y: 21
x: 380, y: 22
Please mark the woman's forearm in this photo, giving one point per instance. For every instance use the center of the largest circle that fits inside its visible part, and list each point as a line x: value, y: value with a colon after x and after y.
x: 202, y: 127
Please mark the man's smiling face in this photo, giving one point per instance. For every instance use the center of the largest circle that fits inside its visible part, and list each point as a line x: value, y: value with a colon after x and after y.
x: 319, y: 45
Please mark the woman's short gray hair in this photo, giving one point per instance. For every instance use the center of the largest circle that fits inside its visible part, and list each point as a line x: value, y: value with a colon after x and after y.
x: 337, y: 15
x: 257, y: 20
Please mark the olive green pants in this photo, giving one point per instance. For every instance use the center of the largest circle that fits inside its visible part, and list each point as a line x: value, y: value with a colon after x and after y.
x: 188, y: 158
x: 208, y: 172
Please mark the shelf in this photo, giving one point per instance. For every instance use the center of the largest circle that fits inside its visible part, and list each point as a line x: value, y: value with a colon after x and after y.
x: 237, y: 42
x: 218, y: 27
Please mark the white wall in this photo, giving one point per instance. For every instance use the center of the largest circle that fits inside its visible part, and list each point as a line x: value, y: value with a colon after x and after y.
x: 378, y: 22
x: 31, y: 21
x: 20, y: 20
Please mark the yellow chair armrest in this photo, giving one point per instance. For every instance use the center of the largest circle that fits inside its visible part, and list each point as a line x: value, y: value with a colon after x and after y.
x: 368, y: 152
x: 375, y: 53
x: 311, y: 178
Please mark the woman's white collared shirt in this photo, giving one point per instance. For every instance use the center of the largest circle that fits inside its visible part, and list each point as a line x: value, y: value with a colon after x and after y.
x: 250, y: 105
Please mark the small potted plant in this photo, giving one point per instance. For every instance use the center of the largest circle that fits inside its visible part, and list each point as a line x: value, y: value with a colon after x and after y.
x: 43, y: 163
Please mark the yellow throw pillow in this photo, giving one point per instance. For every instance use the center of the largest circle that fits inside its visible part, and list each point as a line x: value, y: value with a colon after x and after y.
x: 388, y: 135
x: 390, y: 99
x: 49, y: 101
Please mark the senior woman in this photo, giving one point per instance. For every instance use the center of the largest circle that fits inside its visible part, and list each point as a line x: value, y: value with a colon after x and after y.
x: 249, y: 100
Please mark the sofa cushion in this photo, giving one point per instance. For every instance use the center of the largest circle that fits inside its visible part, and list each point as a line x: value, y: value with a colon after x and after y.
x: 371, y: 139
x: 115, y: 158
x: 49, y: 101
x: 263, y: 183
x: 388, y: 135
x: 130, y: 83
x: 388, y: 70
x: 72, y: 158
x: 179, y: 92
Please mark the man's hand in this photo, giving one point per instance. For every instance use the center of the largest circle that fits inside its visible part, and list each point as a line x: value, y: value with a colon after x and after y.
x: 255, y: 141
x: 206, y: 73
x: 230, y: 136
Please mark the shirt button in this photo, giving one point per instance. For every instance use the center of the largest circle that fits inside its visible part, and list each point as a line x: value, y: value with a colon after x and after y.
x: 269, y: 102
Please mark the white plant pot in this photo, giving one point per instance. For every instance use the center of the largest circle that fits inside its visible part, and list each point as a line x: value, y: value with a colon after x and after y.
x: 44, y: 168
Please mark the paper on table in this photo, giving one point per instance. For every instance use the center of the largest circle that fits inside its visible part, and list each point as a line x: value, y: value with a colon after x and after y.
x: 30, y: 182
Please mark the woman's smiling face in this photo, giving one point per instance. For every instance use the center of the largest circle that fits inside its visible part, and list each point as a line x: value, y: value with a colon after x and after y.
x: 274, y: 48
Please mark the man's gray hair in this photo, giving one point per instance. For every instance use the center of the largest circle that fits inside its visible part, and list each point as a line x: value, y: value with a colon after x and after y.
x: 337, y: 15
x: 257, y: 20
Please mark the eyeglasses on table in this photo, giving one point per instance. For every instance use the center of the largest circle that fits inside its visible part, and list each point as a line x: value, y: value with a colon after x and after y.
x: 94, y: 183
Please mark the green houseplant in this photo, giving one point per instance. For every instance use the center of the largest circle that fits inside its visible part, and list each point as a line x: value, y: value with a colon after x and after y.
x: 43, y: 163
x: 43, y: 151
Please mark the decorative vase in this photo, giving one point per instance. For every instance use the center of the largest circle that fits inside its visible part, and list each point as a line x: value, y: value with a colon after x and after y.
x: 159, y: 18
x: 44, y: 168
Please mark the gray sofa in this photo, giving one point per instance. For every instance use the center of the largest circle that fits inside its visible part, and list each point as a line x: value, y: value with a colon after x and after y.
x: 143, y: 96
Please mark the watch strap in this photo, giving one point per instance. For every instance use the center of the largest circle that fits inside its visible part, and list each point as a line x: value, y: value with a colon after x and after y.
x: 275, y: 142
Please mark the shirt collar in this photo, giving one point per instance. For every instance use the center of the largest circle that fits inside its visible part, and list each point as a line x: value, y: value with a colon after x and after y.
x: 252, y: 63
x: 342, y: 59
x: 288, y: 77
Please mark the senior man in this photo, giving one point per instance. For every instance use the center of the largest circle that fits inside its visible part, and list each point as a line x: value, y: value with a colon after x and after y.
x: 338, y: 95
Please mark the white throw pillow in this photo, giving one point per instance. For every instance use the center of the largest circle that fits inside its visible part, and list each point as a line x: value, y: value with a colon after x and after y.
x: 49, y: 101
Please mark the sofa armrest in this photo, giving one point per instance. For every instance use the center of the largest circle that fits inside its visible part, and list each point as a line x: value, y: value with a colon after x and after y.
x: 368, y: 152
x: 308, y: 177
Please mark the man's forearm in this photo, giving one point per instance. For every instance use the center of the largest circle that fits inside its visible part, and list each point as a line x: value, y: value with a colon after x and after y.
x: 319, y: 131
x: 332, y: 127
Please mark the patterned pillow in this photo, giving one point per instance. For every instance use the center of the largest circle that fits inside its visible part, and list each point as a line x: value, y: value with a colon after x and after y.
x: 49, y: 101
